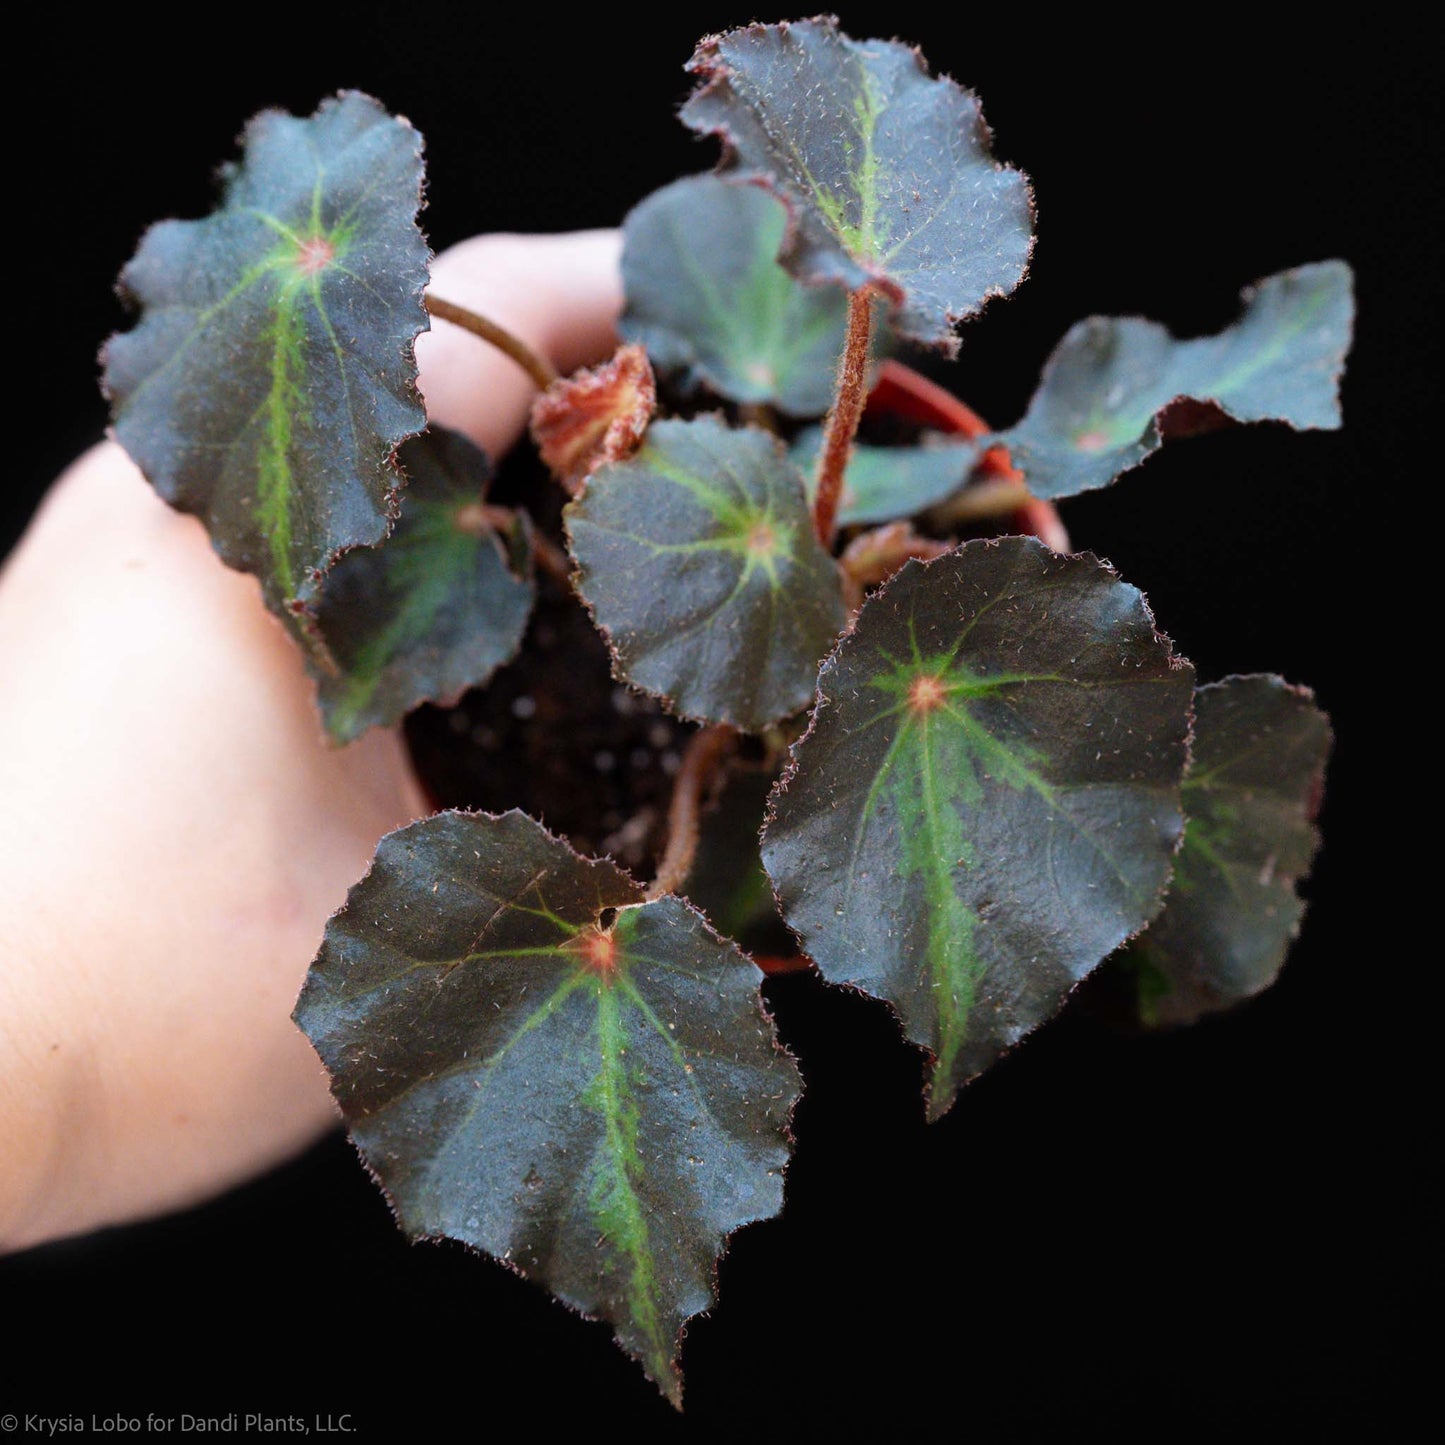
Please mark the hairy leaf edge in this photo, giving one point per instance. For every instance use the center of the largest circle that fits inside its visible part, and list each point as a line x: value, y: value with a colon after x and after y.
x: 674, y: 1395
x: 713, y: 74
x: 1158, y: 431
x: 1177, y: 662
x: 1314, y: 806
x: 670, y: 705
x: 302, y: 610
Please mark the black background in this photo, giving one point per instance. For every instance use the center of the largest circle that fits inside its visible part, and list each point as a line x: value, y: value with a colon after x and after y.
x: 1223, y: 1227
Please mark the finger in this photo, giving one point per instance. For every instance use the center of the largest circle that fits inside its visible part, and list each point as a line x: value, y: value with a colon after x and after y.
x: 561, y: 294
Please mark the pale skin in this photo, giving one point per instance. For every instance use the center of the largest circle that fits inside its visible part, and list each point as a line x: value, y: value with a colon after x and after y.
x: 175, y: 831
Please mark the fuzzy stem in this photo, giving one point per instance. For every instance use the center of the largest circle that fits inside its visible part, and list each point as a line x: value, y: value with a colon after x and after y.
x: 705, y: 751
x: 850, y: 394
x: 538, y: 368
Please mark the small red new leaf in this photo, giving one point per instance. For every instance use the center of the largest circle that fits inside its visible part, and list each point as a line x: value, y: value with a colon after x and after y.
x: 593, y: 417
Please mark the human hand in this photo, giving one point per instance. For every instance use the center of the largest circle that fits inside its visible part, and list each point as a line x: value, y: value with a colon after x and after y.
x: 176, y: 832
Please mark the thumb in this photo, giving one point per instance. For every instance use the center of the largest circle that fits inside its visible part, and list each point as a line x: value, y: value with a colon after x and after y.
x: 560, y: 294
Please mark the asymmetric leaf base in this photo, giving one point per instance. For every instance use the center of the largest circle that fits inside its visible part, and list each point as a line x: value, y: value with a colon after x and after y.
x: 536, y: 1062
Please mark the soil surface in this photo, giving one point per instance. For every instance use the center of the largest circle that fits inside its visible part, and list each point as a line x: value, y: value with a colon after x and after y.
x: 555, y: 735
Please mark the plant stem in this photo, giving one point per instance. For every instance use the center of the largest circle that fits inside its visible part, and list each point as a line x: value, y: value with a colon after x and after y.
x: 875, y: 556
x: 982, y: 500
x: 705, y: 751
x: 849, y: 396
x: 758, y: 414
x: 308, y: 629
x: 552, y: 559
x: 482, y: 518
x: 1000, y: 497
x: 774, y: 964
x: 537, y: 367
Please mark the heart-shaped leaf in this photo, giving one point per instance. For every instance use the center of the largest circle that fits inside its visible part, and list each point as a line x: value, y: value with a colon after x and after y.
x: 272, y: 375
x: 708, y: 299
x: 538, y: 1064
x: 886, y: 169
x: 700, y: 564
x: 987, y: 801
x: 1106, y: 398
x: 437, y: 607
x: 1250, y: 796
x: 883, y: 483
